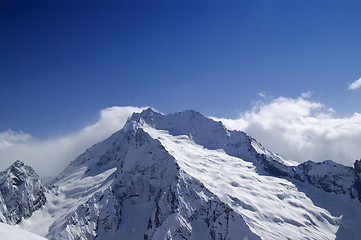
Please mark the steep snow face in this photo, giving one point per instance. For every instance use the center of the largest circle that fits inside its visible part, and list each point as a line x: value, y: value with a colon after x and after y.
x: 138, y: 174
x: 8, y: 232
x: 80, y: 184
x: 212, y: 135
x: 329, y: 176
x: 21, y: 193
x: 272, y: 207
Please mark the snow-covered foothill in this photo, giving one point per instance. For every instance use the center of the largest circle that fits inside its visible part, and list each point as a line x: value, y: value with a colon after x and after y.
x: 8, y: 232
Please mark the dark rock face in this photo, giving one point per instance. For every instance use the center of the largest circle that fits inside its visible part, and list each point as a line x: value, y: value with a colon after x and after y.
x: 21, y: 193
x: 357, y: 184
x: 172, y: 209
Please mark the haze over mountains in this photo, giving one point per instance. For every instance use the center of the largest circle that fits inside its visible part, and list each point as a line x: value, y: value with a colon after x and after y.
x: 184, y: 176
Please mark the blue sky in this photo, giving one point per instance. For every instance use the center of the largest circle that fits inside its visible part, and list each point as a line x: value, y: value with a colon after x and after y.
x: 61, y: 62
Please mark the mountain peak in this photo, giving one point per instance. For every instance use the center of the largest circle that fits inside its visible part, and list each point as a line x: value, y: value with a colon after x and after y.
x: 185, y: 176
x: 147, y: 113
x: 18, y: 164
x: 150, y: 116
x: 21, y: 191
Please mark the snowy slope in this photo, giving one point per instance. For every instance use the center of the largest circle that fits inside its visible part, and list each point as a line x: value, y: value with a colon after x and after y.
x: 272, y: 207
x: 184, y: 176
x: 8, y: 232
x: 329, y: 176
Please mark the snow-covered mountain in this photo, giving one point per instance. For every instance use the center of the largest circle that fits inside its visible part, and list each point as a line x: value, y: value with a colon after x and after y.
x: 185, y: 176
x: 21, y: 193
x: 8, y: 232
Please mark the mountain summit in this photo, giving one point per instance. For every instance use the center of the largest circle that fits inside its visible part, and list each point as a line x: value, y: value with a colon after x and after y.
x: 185, y: 176
x: 21, y: 193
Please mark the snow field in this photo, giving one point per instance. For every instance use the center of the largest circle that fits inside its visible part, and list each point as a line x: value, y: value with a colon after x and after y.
x: 260, y: 199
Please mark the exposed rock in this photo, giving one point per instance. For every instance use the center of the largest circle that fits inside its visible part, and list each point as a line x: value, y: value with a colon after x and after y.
x: 21, y: 193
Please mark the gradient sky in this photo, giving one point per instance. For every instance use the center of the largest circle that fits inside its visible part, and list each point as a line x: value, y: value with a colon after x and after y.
x: 61, y: 62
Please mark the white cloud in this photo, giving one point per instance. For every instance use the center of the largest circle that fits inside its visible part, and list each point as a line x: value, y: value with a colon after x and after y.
x: 301, y: 129
x: 355, y: 85
x: 306, y: 95
x: 10, y: 137
x: 262, y: 95
x: 50, y: 156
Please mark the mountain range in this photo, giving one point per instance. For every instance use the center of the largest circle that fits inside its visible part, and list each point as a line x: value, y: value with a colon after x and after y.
x: 184, y: 176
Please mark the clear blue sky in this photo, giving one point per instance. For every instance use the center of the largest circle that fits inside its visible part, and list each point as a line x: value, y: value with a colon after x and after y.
x: 63, y: 61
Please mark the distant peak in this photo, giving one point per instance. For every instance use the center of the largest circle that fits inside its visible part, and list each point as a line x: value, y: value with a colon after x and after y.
x: 331, y: 163
x: 192, y: 113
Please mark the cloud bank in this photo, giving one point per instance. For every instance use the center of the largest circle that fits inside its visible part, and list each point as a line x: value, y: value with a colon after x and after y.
x: 9, y: 138
x: 51, y: 156
x: 301, y: 130
x: 298, y: 128
x: 355, y: 85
